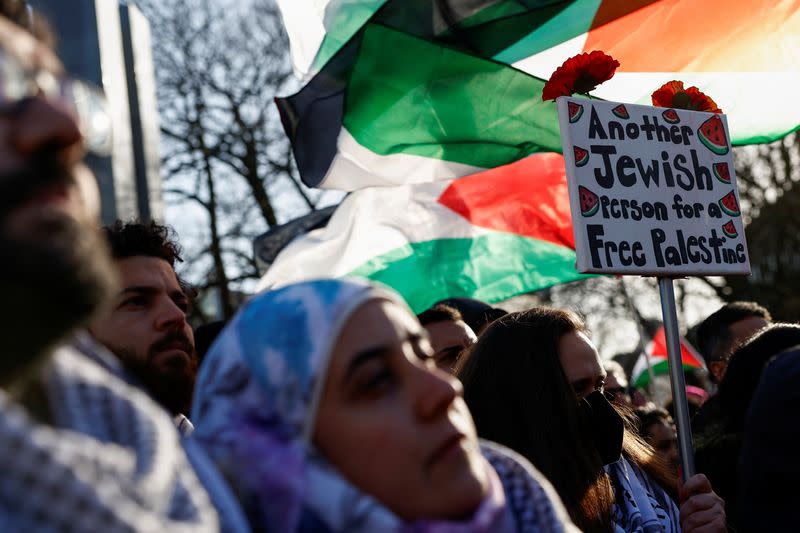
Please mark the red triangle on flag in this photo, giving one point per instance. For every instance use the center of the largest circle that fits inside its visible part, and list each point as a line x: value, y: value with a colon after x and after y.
x: 689, y: 355
x: 528, y: 197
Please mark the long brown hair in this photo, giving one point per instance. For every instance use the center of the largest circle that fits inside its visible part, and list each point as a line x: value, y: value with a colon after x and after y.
x: 640, y: 453
x: 519, y: 396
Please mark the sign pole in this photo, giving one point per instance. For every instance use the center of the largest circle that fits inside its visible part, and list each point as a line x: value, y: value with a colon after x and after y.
x: 676, y: 378
x: 653, y: 193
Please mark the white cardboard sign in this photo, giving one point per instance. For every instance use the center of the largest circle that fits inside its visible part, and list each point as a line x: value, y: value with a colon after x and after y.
x: 652, y: 190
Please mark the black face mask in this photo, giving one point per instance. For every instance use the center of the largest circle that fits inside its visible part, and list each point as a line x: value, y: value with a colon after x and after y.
x: 605, y: 425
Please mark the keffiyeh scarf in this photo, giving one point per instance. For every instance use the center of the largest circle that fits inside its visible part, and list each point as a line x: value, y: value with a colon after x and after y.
x: 640, y: 505
x: 110, y: 462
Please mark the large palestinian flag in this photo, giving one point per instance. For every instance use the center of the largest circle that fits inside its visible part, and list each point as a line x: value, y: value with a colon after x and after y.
x: 488, y: 236
x: 657, y: 349
x: 440, y: 89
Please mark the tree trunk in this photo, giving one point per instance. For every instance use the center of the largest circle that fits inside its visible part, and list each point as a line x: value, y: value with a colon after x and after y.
x: 257, y: 185
x: 215, y: 248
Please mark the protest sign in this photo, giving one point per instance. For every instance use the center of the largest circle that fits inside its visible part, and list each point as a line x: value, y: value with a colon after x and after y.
x: 652, y: 190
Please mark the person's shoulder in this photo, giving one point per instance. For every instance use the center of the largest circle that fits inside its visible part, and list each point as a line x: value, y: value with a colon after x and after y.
x: 86, y: 363
x: 776, y: 397
x: 783, y: 368
x: 85, y: 347
x: 531, y: 498
x: 509, y: 464
x: 73, y: 360
x: 79, y: 376
x: 769, y: 450
x: 628, y: 477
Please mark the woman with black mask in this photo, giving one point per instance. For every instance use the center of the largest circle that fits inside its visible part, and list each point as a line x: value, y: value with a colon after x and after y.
x: 534, y: 382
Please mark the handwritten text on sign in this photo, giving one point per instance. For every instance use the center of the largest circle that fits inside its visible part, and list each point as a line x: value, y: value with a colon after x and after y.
x: 652, y: 190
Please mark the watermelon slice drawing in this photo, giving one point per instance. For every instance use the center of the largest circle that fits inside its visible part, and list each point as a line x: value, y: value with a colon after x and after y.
x: 575, y: 112
x: 722, y: 173
x: 729, y: 204
x: 712, y: 134
x: 671, y: 116
x: 621, y: 112
x: 581, y: 156
x: 590, y: 203
x: 729, y: 229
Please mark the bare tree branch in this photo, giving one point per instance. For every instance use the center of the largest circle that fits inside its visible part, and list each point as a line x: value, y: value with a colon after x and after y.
x: 218, y: 69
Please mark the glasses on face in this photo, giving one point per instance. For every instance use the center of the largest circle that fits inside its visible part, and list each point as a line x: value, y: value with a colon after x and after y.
x: 86, y: 101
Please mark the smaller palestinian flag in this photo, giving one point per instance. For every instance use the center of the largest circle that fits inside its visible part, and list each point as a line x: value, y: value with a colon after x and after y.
x: 489, y: 236
x: 658, y: 358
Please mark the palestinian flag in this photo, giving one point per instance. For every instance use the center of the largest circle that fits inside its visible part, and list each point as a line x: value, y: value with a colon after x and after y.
x: 437, y: 90
x: 489, y: 236
x: 658, y: 358
x: 435, y: 113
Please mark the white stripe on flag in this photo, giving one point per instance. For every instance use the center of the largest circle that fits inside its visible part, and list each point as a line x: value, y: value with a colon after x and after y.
x: 303, y: 20
x: 640, y: 367
x: 309, y: 22
x: 355, y: 167
x: 369, y: 223
x: 740, y: 95
x: 543, y: 64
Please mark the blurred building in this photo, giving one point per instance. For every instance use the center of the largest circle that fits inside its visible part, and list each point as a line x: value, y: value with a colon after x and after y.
x: 107, y: 42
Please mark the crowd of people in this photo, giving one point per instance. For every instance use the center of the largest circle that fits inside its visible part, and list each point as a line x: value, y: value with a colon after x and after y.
x: 328, y: 405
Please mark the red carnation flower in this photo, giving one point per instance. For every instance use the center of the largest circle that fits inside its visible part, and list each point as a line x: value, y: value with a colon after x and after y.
x: 580, y: 74
x: 672, y: 94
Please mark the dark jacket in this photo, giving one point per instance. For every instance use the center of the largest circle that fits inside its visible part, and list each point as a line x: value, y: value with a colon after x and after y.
x: 770, y: 462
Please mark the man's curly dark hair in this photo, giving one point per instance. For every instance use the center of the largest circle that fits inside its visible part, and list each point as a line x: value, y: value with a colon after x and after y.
x: 132, y: 238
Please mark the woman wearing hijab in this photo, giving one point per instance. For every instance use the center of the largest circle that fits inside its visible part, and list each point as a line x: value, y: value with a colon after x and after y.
x: 534, y: 382
x: 321, y: 405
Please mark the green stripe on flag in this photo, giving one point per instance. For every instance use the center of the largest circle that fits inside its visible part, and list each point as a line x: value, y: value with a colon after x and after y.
x: 346, y: 19
x: 659, y: 369
x: 574, y: 20
x: 410, y: 96
x: 497, y: 10
x: 493, y: 30
x: 491, y: 268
